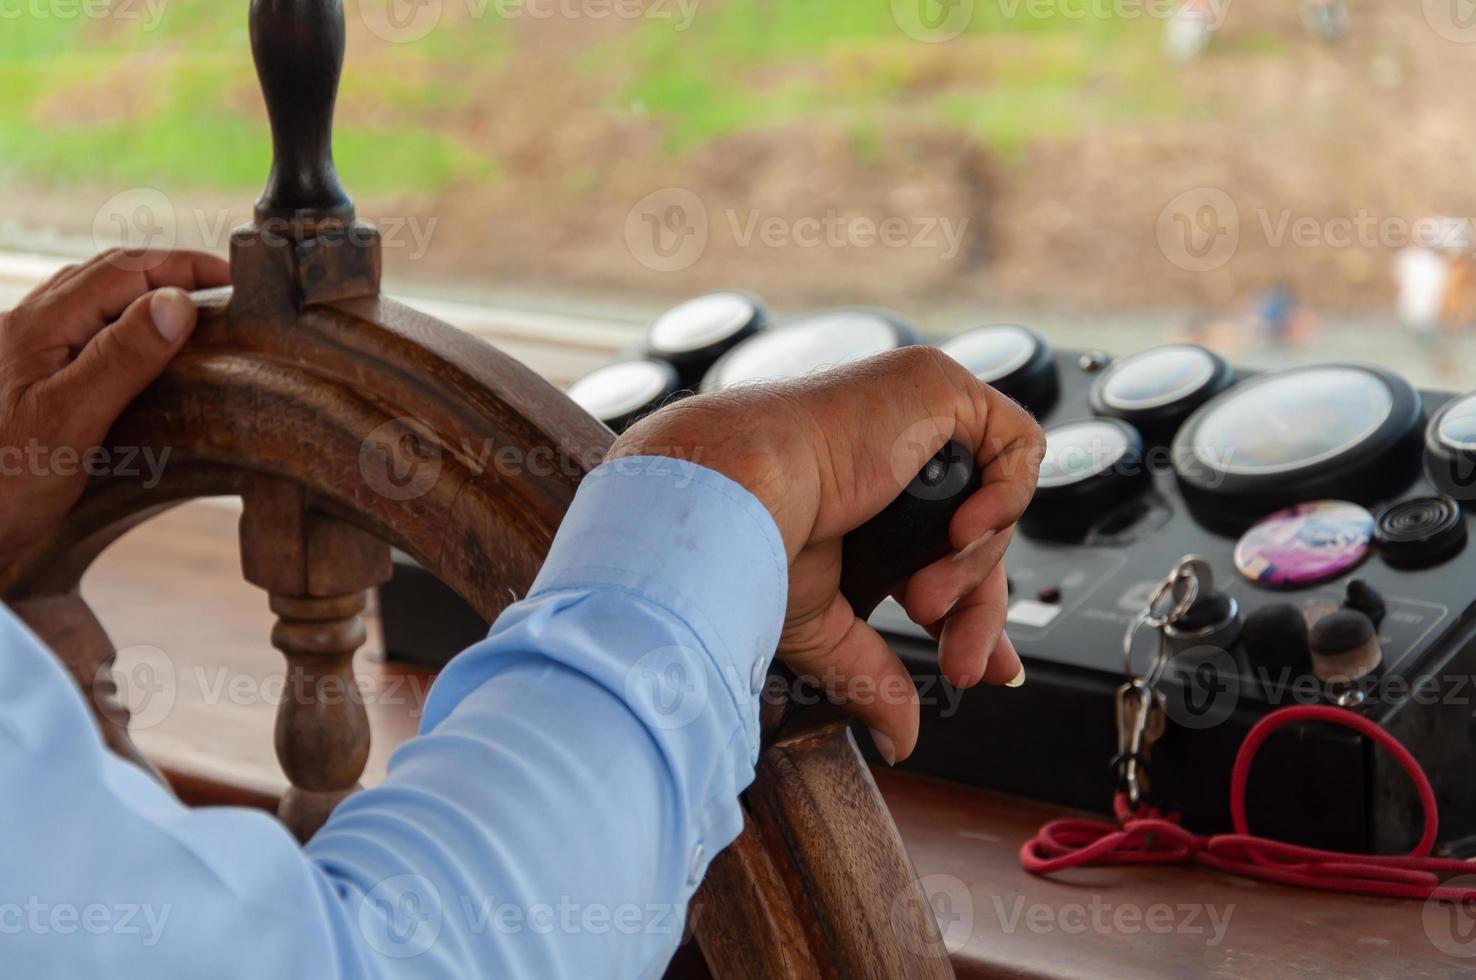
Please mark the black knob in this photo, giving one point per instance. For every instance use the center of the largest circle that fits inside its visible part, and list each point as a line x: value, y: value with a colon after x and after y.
x: 1344, y: 644
x: 1275, y: 638
x: 298, y: 46
x: 911, y: 533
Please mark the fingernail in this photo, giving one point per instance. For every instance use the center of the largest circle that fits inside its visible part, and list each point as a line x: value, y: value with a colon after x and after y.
x: 984, y: 539
x: 966, y: 680
x: 883, y: 743
x: 172, y: 311
x: 1018, y: 679
x: 951, y: 606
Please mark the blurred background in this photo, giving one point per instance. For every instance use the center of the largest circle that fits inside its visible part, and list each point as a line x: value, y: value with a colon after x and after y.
x: 1283, y: 180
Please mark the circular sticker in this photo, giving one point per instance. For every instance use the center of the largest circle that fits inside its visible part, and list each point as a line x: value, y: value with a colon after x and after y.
x: 1305, y: 544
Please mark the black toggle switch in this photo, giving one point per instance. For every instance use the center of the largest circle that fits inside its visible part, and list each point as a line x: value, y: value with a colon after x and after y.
x: 1365, y: 599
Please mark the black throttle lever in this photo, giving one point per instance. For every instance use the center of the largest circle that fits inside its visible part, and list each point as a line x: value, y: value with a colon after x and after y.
x: 911, y: 533
x: 882, y: 554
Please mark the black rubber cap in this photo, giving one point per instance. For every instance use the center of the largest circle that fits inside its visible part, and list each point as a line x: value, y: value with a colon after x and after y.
x: 1421, y: 532
x: 1276, y: 636
x: 1341, y: 632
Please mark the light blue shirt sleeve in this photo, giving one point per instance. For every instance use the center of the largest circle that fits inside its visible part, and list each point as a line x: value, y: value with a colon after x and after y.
x: 574, y: 775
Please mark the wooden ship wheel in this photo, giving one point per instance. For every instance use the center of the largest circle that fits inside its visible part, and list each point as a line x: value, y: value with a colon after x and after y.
x: 341, y: 419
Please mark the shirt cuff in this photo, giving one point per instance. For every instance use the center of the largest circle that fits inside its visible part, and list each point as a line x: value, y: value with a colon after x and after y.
x: 691, y: 541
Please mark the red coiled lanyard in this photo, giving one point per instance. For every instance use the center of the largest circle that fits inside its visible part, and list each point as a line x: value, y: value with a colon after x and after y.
x: 1146, y: 836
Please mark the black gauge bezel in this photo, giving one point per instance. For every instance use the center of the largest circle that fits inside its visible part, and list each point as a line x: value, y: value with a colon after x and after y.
x: 1036, y: 383
x: 1160, y: 420
x: 902, y: 327
x: 620, y: 422
x: 1075, y: 506
x: 1452, y: 470
x: 694, y: 362
x: 1383, y: 462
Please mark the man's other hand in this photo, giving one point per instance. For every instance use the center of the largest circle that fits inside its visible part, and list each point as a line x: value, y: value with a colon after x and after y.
x: 828, y: 453
x: 73, y: 354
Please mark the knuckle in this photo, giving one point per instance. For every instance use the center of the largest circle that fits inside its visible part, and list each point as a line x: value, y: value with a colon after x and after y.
x: 116, y: 350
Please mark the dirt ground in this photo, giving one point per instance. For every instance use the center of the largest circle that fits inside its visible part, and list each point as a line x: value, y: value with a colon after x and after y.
x: 1371, y: 133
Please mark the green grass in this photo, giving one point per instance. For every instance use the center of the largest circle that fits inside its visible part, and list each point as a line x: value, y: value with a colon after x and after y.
x: 1011, y: 79
x: 189, y: 116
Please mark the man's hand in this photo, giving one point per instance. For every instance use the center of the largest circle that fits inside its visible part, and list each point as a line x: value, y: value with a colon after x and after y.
x: 73, y: 354
x: 827, y: 454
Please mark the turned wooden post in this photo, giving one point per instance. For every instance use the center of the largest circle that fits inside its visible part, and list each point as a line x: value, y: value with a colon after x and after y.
x: 317, y: 571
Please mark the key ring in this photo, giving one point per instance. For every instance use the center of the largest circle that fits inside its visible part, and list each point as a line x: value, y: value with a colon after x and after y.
x: 1183, y: 572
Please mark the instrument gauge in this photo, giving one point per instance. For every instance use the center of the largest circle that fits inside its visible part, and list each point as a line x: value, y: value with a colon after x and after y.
x: 1277, y: 439
x: 810, y: 344
x: 1450, y: 448
x: 1158, y: 388
x: 692, y: 336
x: 1089, y: 467
x: 618, y: 394
x: 1014, y: 359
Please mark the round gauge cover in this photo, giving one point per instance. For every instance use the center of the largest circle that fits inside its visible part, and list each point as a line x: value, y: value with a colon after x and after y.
x: 692, y: 336
x: 810, y: 344
x: 1161, y: 385
x: 1014, y: 359
x: 617, y: 394
x: 1450, y: 448
x: 1084, y: 449
x: 1300, y: 434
